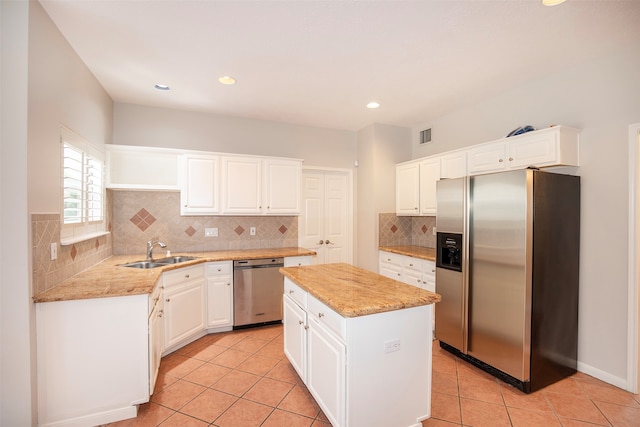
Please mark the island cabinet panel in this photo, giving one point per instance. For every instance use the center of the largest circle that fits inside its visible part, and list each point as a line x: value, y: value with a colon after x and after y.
x: 295, y: 336
x: 372, y: 370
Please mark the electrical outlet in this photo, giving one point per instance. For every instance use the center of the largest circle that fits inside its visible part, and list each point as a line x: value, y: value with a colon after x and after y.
x: 434, y: 231
x: 211, y: 232
x: 391, y: 346
x: 54, y: 251
x: 252, y: 231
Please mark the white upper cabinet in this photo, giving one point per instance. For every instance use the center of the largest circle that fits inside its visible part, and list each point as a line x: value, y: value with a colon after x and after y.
x: 218, y: 184
x: 408, y: 189
x: 257, y: 186
x: 453, y: 164
x: 282, y: 179
x: 416, y: 187
x: 141, y: 168
x: 429, y: 175
x: 200, y: 185
x: 242, y: 190
x: 555, y: 146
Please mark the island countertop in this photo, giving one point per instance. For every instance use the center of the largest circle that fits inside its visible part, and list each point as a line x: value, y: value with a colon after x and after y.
x: 353, y: 291
x: 110, y: 279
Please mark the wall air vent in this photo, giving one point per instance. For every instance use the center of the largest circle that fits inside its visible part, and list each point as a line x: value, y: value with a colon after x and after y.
x: 425, y: 136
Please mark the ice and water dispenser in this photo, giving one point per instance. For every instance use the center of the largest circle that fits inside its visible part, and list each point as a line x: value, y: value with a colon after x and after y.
x: 449, y: 251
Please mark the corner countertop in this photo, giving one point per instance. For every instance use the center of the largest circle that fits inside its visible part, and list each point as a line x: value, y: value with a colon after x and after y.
x: 110, y: 279
x: 353, y: 291
x: 413, y: 251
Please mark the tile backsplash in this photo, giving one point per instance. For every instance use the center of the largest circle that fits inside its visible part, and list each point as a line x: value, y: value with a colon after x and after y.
x: 139, y: 216
x: 406, y: 230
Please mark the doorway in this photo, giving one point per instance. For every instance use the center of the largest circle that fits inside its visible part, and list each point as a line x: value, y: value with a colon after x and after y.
x: 326, y: 220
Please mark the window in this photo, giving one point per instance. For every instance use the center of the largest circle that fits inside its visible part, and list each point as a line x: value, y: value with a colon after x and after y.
x: 82, y: 188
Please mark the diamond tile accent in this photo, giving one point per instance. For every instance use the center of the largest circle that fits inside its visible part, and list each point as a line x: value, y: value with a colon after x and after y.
x: 143, y: 219
x: 74, y: 252
x: 394, y: 228
x: 239, y: 230
x: 97, y: 245
x: 424, y: 229
x: 190, y: 231
x: 283, y: 229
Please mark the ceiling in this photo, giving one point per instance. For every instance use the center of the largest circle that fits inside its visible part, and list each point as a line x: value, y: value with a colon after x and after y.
x: 319, y: 63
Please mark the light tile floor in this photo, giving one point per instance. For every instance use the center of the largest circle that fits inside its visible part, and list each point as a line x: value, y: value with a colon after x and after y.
x: 466, y: 396
x: 243, y: 379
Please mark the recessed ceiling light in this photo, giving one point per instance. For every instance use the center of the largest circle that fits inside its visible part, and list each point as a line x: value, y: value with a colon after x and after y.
x: 226, y: 80
x: 373, y: 104
x: 162, y: 87
x: 552, y: 2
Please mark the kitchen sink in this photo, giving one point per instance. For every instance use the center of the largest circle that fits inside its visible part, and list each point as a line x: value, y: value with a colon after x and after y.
x: 175, y: 259
x: 145, y: 264
x: 162, y: 262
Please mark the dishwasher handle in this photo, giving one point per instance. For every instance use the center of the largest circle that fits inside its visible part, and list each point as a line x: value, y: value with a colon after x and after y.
x: 258, y: 263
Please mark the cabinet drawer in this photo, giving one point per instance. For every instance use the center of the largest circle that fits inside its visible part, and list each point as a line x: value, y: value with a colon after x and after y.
x: 297, y: 261
x: 183, y: 274
x: 414, y: 264
x: 429, y: 268
x: 295, y: 292
x: 389, y: 257
x: 219, y: 268
x: 327, y: 317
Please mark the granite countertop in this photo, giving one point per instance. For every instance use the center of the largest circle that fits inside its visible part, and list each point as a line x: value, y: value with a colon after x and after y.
x: 353, y: 291
x: 110, y: 279
x: 413, y: 251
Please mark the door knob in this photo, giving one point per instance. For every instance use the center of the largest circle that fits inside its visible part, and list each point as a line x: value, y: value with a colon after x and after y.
x: 328, y: 242
x: 320, y: 242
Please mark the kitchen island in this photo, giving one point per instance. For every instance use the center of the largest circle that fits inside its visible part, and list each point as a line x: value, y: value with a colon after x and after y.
x: 361, y: 343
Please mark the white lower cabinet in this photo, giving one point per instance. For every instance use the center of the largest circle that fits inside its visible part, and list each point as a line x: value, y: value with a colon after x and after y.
x: 156, y: 334
x: 326, y: 376
x: 340, y: 360
x: 184, y: 315
x: 219, y: 295
x: 92, y: 360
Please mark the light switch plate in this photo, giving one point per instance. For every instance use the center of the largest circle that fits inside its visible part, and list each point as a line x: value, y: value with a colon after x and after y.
x: 252, y: 231
x: 54, y: 251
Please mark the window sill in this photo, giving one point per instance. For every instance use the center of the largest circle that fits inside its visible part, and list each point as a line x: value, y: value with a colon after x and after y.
x: 75, y: 239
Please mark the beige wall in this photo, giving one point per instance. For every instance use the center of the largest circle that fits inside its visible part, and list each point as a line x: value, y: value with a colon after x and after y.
x: 162, y: 127
x: 61, y: 91
x: 380, y: 147
x: 602, y: 97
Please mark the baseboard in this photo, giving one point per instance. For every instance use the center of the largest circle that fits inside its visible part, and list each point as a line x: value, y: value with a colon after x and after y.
x: 96, y: 419
x: 603, y: 376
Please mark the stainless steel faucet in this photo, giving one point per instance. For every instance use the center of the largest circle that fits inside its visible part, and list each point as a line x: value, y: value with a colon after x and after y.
x: 150, y: 244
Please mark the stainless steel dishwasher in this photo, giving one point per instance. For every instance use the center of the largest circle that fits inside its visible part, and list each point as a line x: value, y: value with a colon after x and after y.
x: 257, y: 292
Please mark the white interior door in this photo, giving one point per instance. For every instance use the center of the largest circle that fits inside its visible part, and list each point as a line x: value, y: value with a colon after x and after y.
x: 325, y: 220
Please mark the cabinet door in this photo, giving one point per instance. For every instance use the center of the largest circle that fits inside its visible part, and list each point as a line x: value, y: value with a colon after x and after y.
x: 408, y: 189
x: 183, y: 311
x: 141, y: 168
x: 156, y: 337
x: 199, y: 194
x: 533, y: 150
x: 282, y: 187
x: 295, y: 336
x: 242, y: 190
x: 219, y: 301
x: 453, y: 165
x: 488, y: 158
x: 326, y: 372
x: 429, y: 175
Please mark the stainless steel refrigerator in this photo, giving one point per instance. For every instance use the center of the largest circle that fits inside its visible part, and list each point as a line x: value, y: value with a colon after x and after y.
x: 507, y: 261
